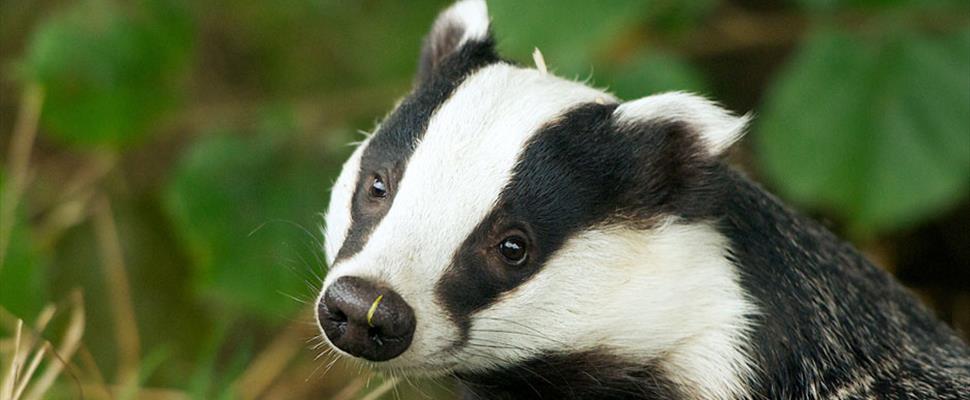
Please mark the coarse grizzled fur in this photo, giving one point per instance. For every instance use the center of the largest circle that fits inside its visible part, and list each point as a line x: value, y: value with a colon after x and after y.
x: 653, y: 270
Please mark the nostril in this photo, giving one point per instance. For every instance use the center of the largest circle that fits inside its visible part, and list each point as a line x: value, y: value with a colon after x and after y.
x: 338, y: 316
x: 375, y: 335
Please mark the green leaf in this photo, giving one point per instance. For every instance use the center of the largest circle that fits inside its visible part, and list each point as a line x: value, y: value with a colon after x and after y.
x: 247, y: 207
x: 877, y: 128
x: 109, y: 73
x: 653, y: 73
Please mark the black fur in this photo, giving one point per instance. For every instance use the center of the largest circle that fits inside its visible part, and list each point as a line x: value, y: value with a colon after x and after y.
x: 586, y: 375
x: 831, y: 320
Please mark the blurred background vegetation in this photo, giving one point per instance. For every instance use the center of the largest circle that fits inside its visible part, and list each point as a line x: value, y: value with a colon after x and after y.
x: 165, y: 162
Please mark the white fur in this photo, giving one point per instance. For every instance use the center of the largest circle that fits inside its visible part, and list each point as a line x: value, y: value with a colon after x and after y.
x: 471, y: 15
x: 338, y: 213
x: 665, y: 293
x: 718, y: 128
x: 451, y: 182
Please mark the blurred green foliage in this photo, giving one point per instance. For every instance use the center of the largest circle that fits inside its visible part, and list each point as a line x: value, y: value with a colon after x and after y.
x: 215, y: 129
x: 22, y: 280
x: 519, y: 28
x: 109, y: 73
x: 655, y: 73
x: 874, y: 127
x: 229, y: 239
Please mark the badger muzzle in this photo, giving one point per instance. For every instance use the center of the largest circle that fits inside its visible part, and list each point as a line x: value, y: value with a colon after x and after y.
x: 366, y: 320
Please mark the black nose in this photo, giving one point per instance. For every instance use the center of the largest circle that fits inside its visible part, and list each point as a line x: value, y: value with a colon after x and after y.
x: 366, y: 320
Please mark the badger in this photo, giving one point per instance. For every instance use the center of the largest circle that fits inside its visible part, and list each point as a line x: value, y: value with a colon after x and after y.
x: 534, y: 237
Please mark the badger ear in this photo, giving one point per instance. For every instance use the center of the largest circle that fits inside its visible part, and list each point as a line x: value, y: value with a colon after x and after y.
x: 716, y: 128
x: 465, y: 21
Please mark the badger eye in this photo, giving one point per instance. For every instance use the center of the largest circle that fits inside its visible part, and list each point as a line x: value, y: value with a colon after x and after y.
x: 513, y: 249
x: 377, y: 188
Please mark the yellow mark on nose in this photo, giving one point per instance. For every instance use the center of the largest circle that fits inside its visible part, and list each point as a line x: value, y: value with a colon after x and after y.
x: 373, y: 308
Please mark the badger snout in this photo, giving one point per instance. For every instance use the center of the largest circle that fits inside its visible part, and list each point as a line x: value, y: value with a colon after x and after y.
x: 366, y: 320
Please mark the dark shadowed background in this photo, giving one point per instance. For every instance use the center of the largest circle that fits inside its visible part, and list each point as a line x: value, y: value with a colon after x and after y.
x: 165, y: 162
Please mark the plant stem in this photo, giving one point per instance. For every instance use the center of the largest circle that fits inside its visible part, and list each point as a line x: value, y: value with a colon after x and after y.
x: 116, y: 277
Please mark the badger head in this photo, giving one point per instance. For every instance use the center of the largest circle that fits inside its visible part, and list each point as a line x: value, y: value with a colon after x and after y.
x: 500, y: 215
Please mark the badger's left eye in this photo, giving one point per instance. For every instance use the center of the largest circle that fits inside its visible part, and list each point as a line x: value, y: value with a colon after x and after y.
x: 377, y: 188
x: 513, y: 249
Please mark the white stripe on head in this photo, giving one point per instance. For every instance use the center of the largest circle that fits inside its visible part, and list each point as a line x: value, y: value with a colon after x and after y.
x: 668, y: 292
x: 450, y: 183
x: 338, y: 217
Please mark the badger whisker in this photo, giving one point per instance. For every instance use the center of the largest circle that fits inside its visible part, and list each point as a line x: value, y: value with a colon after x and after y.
x: 495, y: 344
x: 516, y: 333
x: 516, y: 323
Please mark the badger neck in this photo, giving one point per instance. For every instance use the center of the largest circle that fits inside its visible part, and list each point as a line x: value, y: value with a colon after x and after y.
x: 587, y: 375
x: 828, y: 318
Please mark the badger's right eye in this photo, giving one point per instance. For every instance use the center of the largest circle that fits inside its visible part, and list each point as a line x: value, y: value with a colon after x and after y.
x: 377, y: 188
x: 513, y: 249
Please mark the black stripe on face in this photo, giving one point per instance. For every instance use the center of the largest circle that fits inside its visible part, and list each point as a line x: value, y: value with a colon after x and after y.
x: 580, y: 171
x: 388, y: 152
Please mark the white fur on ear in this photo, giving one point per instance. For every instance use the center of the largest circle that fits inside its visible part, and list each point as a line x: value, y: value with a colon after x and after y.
x: 463, y: 22
x: 471, y: 16
x: 717, y: 127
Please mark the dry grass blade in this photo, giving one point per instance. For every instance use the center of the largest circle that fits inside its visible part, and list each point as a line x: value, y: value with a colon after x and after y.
x: 69, y: 345
x: 13, y: 371
x: 36, y: 337
x: 34, y: 363
x: 271, y: 363
x: 140, y: 394
x: 74, y: 204
x: 385, y: 387
x: 94, y: 384
x: 30, y: 348
x: 45, y: 317
x: 351, y: 389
